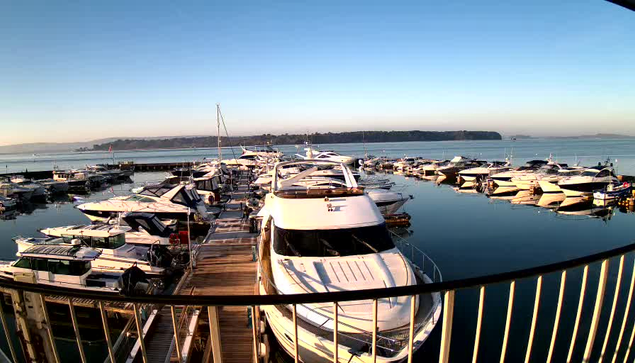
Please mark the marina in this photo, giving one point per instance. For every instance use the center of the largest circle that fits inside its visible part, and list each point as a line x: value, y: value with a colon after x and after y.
x: 228, y: 256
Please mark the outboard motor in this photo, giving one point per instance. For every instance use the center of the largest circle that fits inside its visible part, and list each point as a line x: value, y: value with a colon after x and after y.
x: 133, y: 281
x: 159, y: 256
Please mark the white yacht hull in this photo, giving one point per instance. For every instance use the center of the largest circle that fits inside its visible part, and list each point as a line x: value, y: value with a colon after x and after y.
x: 314, y: 348
x: 549, y: 187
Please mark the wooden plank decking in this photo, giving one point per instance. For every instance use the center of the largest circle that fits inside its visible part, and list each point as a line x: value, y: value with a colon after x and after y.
x: 225, y: 266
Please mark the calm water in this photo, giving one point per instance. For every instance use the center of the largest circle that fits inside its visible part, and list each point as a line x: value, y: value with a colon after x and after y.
x: 586, y: 151
x: 466, y: 234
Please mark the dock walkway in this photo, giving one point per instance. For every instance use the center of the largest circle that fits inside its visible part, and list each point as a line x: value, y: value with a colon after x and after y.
x: 226, y: 266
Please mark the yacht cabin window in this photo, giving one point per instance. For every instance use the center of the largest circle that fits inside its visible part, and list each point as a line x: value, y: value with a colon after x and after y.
x: 60, y: 267
x: 111, y: 242
x: 334, y: 242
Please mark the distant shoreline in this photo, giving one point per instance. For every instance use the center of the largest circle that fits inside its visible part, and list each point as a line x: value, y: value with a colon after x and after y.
x: 296, y: 139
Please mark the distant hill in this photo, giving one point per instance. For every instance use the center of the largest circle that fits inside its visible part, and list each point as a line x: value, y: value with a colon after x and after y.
x: 596, y: 136
x: 294, y: 139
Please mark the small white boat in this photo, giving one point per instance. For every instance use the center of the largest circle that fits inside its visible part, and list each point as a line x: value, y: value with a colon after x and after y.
x: 7, y: 203
x: 612, y: 192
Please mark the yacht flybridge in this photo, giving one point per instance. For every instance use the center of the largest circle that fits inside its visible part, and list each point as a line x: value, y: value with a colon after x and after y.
x: 319, y: 240
x: 165, y: 201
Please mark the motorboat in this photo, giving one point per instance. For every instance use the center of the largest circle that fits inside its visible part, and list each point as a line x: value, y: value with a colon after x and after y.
x: 14, y: 191
x: 38, y: 191
x: 7, y: 203
x: 78, y: 181
x: 110, y: 175
x: 310, y: 239
x: 64, y: 266
x: 314, y: 154
x: 265, y: 151
x: 469, y: 178
x: 612, y: 192
x: 115, y: 256
x: 503, y: 181
x: 458, y: 163
x: 388, y: 201
x: 429, y: 170
x: 54, y: 187
x: 143, y: 229
x: 179, y: 202
x: 588, y: 181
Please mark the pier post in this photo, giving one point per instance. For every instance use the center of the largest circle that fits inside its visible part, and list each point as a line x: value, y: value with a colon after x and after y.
x: 33, y: 323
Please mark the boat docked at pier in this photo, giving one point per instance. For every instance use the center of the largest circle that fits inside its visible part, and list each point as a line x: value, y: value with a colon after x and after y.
x: 115, y: 255
x: 179, y: 202
x: 588, y: 181
x: 66, y: 266
x: 144, y: 229
x: 335, y: 239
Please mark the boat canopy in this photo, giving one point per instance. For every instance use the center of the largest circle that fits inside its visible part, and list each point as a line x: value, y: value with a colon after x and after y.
x: 148, y: 222
x: 61, y: 252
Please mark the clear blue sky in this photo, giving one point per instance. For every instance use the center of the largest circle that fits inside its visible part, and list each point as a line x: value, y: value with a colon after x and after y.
x: 80, y: 70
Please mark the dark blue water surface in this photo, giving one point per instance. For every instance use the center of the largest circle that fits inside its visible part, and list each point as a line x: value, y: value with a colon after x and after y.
x: 586, y: 151
x: 466, y: 234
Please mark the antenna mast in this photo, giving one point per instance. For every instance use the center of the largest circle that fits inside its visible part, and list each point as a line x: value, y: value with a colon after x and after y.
x: 220, y: 152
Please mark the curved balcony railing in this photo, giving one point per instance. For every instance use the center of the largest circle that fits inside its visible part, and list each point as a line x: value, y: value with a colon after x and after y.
x: 602, y: 323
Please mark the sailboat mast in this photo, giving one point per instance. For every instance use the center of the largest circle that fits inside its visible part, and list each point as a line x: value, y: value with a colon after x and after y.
x: 220, y: 153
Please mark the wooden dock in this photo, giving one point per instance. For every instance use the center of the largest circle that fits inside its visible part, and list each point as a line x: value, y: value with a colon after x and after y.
x: 225, y: 265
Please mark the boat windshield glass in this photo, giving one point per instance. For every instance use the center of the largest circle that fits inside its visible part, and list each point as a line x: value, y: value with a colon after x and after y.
x: 140, y: 198
x: 333, y: 242
x: 590, y: 173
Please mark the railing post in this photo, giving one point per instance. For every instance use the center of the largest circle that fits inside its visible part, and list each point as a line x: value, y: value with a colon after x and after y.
x: 104, y: 321
x: 177, y: 344
x: 142, y: 343
x: 375, y: 330
x: 479, y: 322
x: 296, y: 353
x: 214, y: 333
x: 616, y: 295
x: 6, y: 333
x: 49, y: 329
x: 508, y: 320
x: 446, y: 332
x: 556, y: 323
x: 335, y: 335
x: 576, y: 325
x: 411, y: 330
x: 534, y: 318
x: 78, y: 337
x: 626, y: 311
x: 595, y: 321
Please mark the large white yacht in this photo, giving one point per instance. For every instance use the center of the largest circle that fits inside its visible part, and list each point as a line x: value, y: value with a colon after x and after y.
x: 166, y: 201
x: 469, y: 178
x: 316, y: 240
x: 314, y: 154
x: 588, y: 181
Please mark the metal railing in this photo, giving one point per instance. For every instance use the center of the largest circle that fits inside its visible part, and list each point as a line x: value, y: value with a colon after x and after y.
x: 591, y: 326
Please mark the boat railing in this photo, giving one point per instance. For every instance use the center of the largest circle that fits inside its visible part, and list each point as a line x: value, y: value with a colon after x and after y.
x: 603, y: 328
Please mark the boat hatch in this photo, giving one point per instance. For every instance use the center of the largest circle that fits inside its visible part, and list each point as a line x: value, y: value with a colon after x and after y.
x: 156, y: 190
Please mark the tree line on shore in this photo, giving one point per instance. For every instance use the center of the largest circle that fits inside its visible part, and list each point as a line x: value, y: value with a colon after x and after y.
x: 295, y: 139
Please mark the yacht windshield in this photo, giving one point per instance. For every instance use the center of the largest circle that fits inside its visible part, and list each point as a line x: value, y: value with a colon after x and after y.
x: 333, y: 242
